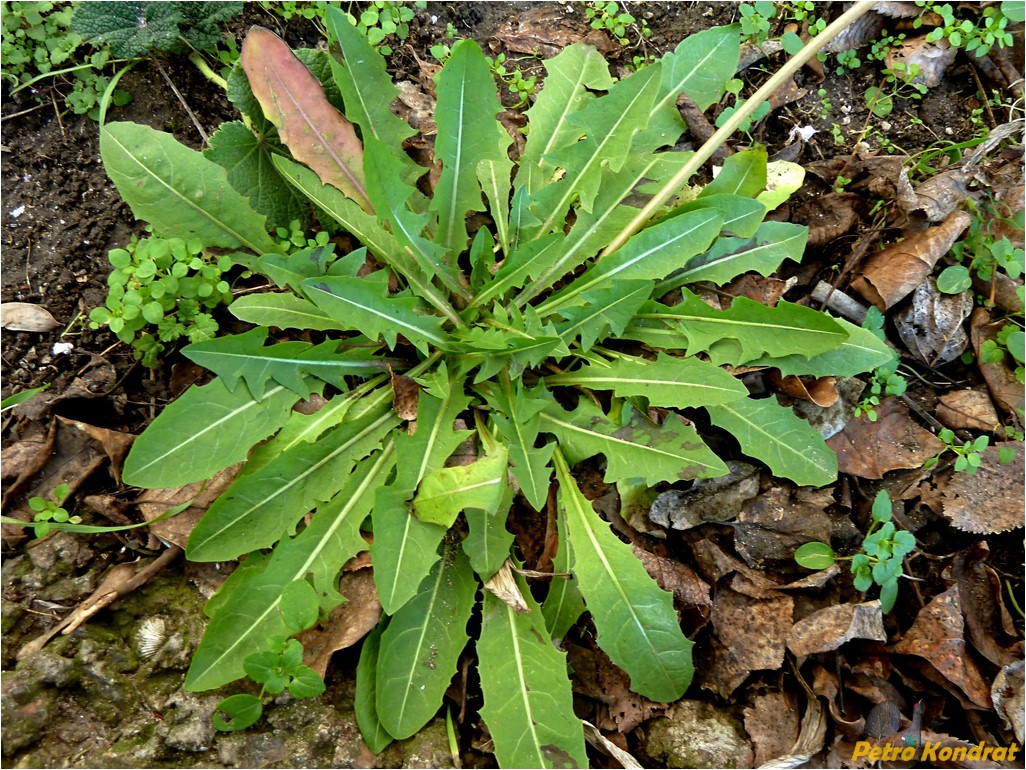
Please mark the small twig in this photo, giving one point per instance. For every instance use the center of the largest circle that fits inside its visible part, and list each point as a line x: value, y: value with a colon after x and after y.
x: 181, y: 99
x: 983, y: 96
x: 22, y: 112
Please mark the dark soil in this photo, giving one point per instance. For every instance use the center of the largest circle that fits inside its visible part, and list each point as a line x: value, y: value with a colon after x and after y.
x: 60, y: 216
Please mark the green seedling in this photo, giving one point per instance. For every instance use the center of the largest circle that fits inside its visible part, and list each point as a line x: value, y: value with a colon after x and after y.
x: 607, y: 15
x: 979, y: 35
x: 487, y: 308
x: 968, y: 454
x: 49, y: 512
x: 881, y: 559
x: 167, y: 283
x: 884, y: 380
x: 756, y: 20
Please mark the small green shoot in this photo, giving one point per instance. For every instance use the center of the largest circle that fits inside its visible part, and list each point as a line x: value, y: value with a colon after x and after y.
x: 881, y: 557
x: 884, y: 380
x: 968, y: 454
x: 51, y: 511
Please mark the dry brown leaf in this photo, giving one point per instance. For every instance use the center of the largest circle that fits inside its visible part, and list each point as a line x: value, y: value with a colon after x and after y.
x: 754, y: 631
x: 153, y: 502
x: 94, y: 383
x: 773, y: 525
x: 346, y: 624
x: 931, y: 325
x: 938, y: 636
x: 938, y: 196
x: 714, y: 564
x: 503, y: 586
x: 115, y: 443
x: 405, y: 393
x: 967, y: 409
x: 822, y: 391
x: 931, y: 59
x: 831, y: 627
x: 26, y: 457
x: 717, y: 499
x: 1006, y: 391
x: 1007, y: 694
x: 871, y: 449
x: 617, y: 708
x: 677, y: 578
x: 26, y: 317
x: 772, y: 725
x: 892, y: 274
x: 990, y: 500
x: 829, y: 216
x: 980, y: 589
x: 765, y: 291
x: 546, y: 29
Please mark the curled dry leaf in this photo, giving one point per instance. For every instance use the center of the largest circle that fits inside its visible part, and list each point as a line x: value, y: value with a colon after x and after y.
x: 1007, y: 694
x: 822, y: 391
x: 153, y: 502
x: 871, y: 449
x: 991, y: 500
x: 752, y: 630
x: 892, y: 274
x: 931, y: 59
x: 773, y: 525
x: 967, y: 409
x: 26, y: 317
x: 829, y: 216
x: 831, y: 627
x: 716, y: 499
x: 347, y: 624
x: 931, y: 326
x: 938, y: 636
x: 772, y: 725
x: 1006, y: 391
x: 937, y: 197
x: 546, y: 29
x: 505, y: 587
x: 676, y: 577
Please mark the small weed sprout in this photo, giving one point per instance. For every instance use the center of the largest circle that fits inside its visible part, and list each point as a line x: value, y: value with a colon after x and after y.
x: 968, y: 455
x: 617, y: 22
x: 880, y: 559
x: 51, y: 511
x: 884, y: 380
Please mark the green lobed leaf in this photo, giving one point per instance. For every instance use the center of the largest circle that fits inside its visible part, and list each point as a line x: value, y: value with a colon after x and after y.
x: 700, y: 67
x: 488, y: 542
x: 572, y: 76
x: 774, y: 434
x: 365, y: 702
x: 404, y: 549
x: 636, y: 623
x: 863, y: 351
x: 741, y: 216
x: 244, y: 356
x: 422, y: 644
x: 389, y: 195
x: 563, y: 605
x: 365, y: 305
x: 607, y: 123
x: 634, y: 447
x: 178, y: 191
x: 367, y: 87
x: 204, y: 431
x: 517, y: 418
x: 608, y: 311
x: 493, y: 176
x: 728, y: 258
x: 528, y: 702
x: 283, y: 310
x: 246, y: 610
x: 261, y: 507
x: 593, y: 229
x: 651, y: 254
x: 743, y: 173
x: 445, y: 492
x: 247, y: 159
x: 293, y: 100
x: 468, y: 134
x: 667, y: 381
x: 748, y: 329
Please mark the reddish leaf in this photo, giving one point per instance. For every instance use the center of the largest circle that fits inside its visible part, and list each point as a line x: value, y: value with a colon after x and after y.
x: 293, y: 100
